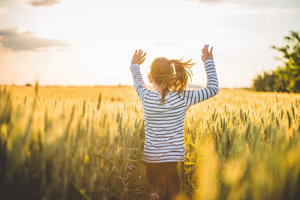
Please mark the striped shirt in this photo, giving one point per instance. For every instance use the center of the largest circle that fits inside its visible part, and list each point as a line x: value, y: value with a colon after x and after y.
x: 164, y: 124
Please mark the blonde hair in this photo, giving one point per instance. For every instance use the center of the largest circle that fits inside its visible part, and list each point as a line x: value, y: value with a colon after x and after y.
x: 170, y: 75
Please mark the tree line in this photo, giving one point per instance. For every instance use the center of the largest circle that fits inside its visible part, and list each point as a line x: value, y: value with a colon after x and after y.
x: 285, y: 78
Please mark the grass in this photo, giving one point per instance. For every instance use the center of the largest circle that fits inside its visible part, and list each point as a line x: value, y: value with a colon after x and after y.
x: 87, y: 143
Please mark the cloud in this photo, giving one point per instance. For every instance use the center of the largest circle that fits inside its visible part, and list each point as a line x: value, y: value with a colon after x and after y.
x: 3, y: 2
x: 40, y: 3
x: 25, y: 41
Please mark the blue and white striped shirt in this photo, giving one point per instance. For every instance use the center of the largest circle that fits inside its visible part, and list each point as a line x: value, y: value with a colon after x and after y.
x: 164, y: 124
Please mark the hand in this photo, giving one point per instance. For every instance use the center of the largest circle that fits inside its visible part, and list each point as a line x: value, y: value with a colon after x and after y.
x: 138, y: 57
x: 206, y: 54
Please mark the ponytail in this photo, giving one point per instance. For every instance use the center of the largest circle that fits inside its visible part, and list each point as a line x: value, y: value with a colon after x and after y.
x: 183, y: 74
x: 171, y: 75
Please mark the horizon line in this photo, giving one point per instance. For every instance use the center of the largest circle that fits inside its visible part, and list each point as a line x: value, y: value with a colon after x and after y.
x: 191, y: 86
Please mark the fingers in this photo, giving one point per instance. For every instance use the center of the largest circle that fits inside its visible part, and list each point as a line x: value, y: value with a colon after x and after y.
x: 206, y: 49
x: 137, y: 52
x: 206, y: 52
x: 140, y: 53
x: 139, y: 56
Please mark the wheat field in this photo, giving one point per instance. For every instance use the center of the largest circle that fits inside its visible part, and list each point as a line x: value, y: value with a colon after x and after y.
x: 87, y: 143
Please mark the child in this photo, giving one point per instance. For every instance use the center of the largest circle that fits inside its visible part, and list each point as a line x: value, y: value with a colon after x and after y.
x: 164, y: 112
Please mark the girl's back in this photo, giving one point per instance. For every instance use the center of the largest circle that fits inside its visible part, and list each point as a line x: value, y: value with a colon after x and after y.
x: 164, y: 127
x: 164, y: 113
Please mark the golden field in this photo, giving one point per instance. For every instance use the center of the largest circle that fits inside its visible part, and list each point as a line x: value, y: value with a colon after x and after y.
x: 87, y: 143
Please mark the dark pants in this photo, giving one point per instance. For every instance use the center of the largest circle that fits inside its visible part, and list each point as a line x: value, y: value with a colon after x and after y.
x: 165, y: 176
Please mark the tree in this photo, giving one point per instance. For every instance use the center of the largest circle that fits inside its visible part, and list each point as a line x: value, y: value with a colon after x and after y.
x: 285, y: 78
x: 265, y: 82
x: 289, y: 74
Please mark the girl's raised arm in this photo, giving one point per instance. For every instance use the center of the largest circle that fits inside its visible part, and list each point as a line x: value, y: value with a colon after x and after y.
x: 139, y: 85
x: 212, y: 88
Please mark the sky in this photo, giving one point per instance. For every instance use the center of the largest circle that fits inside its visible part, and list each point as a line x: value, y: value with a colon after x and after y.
x: 91, y: 42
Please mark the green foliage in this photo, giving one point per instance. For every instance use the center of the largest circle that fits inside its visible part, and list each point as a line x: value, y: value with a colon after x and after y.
x: 265, y: 82
x: 285, y: 78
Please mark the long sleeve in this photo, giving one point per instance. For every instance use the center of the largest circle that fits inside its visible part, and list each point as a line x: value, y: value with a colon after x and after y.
x: 195, y: 96
x: 138, y: 81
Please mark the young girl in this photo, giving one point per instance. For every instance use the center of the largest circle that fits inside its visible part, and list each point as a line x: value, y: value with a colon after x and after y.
x: 164, y: 112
